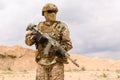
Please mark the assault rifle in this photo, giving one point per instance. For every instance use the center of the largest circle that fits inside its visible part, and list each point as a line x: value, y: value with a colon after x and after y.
x: 53, y: 42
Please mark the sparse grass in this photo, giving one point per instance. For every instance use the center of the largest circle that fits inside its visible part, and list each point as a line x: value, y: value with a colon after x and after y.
x: 72, y: 70
x: 72, y: 74
x: 7, y: 72
x: 76, y: 70
x: 118, y: 71
x: 83, y: 69
x: 104, y: 75
x: 9, y: 69
x: 118, y: 76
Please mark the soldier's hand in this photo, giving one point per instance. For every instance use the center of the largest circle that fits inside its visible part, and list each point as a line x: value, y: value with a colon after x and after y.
x: 59, y: 53
x: 61, y: 56
x: 40, y: 39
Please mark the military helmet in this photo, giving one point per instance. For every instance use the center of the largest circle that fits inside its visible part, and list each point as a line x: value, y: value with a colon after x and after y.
x: 49, y: 6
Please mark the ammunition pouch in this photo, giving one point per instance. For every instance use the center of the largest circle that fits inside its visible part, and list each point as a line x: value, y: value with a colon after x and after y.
x: 62, y: 60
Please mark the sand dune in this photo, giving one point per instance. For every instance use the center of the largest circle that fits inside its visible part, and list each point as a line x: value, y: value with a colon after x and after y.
x: 18, y: 58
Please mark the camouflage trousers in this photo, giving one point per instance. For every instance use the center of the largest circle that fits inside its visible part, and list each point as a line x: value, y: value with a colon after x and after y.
x: 55, y: 72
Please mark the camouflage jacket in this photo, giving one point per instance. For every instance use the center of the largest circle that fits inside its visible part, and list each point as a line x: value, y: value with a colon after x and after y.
x: 59, y: 31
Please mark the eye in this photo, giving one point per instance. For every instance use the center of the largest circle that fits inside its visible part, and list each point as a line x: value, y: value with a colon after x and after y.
x: 52, y: 11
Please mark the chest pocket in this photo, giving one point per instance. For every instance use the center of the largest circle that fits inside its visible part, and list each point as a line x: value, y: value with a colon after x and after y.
x: 54, y: 30
x: 58, y: 31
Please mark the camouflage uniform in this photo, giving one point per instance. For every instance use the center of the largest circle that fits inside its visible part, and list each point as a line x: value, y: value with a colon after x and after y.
x: 50, y: 66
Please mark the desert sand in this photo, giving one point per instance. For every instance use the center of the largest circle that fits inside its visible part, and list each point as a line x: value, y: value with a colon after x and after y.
x: 17, y: 63
x: 82, y: 75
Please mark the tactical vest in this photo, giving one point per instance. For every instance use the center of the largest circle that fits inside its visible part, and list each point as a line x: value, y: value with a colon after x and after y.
x: 46, y: 54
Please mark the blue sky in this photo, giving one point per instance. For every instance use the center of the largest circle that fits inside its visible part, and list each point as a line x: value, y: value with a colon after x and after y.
x: 94, y: 25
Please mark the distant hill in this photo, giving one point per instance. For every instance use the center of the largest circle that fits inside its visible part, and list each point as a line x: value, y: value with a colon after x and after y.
x: 18, y: 58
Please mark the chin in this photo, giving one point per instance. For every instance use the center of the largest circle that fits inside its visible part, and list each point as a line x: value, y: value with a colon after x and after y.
x: 53, y: 19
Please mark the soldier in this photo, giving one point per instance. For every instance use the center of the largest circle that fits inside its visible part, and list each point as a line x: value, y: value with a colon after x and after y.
x: 49, y: 59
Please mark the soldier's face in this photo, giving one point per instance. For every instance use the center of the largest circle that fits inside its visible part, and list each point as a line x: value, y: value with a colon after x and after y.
x: 50, y: 15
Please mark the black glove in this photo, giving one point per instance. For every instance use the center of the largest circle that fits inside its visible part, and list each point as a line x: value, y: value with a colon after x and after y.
x: 61, y: 56
x: 58, y: 53
x: 40, y: 39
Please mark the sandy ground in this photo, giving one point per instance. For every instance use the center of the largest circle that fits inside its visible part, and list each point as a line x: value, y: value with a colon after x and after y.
x: 17, y: 58
x: 81, y: 75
